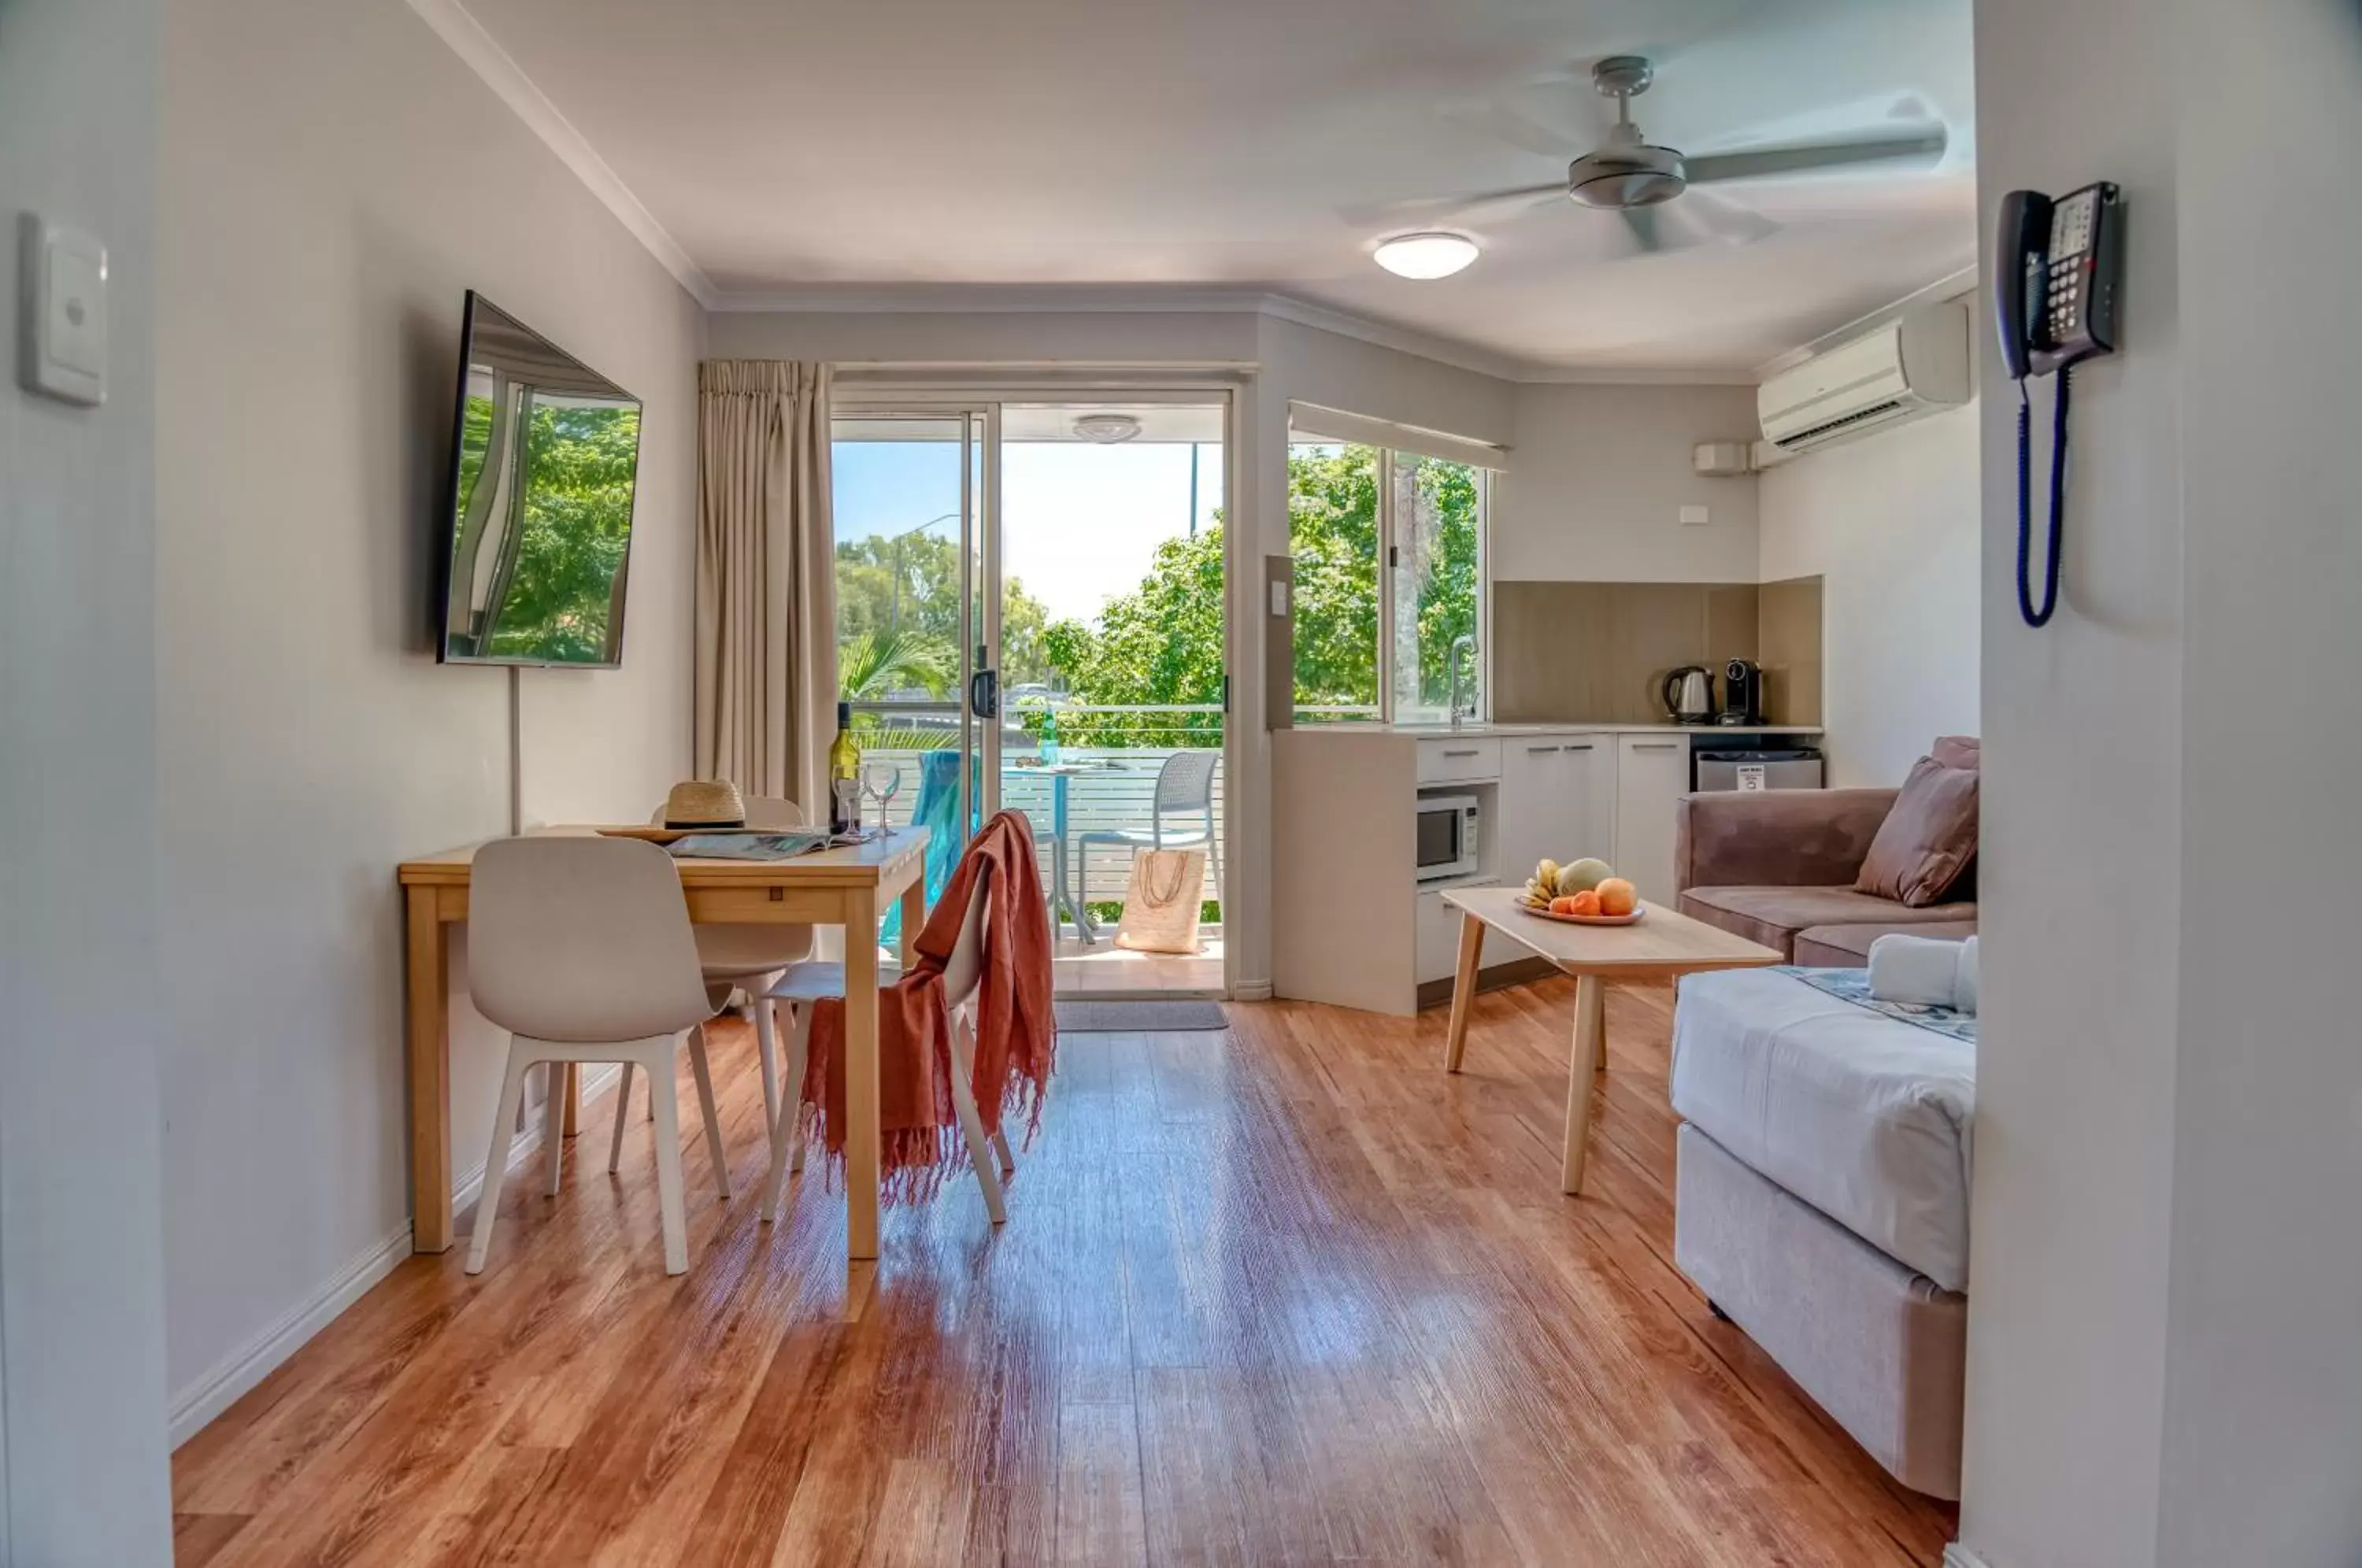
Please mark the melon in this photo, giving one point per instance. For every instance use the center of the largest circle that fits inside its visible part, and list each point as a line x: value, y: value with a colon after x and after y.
x: 1582, y: 876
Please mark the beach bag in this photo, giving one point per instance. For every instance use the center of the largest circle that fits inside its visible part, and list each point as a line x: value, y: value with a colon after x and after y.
x: 1161, y: 901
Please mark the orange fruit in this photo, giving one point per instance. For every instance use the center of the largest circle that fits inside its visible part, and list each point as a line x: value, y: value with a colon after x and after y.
x: 1563, y: 906
x: 1618, y: 897
x: 1585, y: 903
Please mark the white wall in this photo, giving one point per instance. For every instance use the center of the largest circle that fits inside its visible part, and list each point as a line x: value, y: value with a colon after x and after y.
x: 82, y: 1476
x: 333, y: 180
x: 2263, y: 1403
x: 1890, y: 523
x: 2081, y: 875
x: 1597, y: 479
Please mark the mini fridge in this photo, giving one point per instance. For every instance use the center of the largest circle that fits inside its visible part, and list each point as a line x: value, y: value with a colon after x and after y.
x: 1755, y: 767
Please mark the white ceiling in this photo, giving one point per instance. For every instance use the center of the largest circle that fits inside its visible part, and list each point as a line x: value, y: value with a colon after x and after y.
x: 1216, y: 144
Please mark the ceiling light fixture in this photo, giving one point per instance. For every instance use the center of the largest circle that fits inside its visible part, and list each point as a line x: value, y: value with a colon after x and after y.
x: 1106, y: 429
x: 1426, y: 255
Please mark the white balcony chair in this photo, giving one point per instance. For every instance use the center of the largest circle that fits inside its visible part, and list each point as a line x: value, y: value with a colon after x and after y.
x: 1185, y: 785
x: 744, y: 958
x: 806, y: 984
x: 580, y: 948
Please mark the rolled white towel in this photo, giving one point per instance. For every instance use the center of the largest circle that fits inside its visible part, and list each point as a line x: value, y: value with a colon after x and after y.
x: 1964, y: 983
x: 1918, y: 971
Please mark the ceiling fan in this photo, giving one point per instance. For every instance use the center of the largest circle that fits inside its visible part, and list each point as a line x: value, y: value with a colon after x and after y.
x: 1633, y: 177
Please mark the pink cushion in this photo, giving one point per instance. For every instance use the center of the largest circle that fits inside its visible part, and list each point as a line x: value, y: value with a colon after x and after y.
x: 1928, y: 840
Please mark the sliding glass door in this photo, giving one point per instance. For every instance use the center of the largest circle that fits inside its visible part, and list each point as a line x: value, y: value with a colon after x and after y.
x: 1031, y: 614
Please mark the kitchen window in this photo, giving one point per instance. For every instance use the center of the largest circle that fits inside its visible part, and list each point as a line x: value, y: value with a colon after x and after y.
x: 1391, y: 575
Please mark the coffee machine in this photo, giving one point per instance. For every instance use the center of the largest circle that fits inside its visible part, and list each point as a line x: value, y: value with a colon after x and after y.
x: 1742, y: 692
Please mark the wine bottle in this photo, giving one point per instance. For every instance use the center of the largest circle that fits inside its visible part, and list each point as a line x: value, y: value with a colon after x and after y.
x: 844, y: 775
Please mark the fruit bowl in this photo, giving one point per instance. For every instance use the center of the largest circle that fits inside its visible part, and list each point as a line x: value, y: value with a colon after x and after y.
x: 1638, y: 910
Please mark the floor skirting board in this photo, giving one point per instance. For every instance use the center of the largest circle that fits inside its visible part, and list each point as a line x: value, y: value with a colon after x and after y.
x: 1958, y: 1556
x: 235, y: 1375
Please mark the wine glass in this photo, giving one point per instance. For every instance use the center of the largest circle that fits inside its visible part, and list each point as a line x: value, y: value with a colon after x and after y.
x: 882, y: 781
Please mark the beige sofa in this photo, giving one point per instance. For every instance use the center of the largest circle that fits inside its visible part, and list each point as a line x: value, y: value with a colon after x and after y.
x: 1778, y: 867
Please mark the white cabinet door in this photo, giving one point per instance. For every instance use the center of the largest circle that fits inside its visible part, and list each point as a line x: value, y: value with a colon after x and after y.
x: 1558, y: 798
x: 1530, y: 769
x: 1437, y: 943
x: 1588, y: 789
x: 1651, y: 773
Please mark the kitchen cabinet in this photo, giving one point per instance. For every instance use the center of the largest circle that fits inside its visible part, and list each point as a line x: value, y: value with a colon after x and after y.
x: 1652, y: 772
x: 1459, y: 759
x: 1558, y: 800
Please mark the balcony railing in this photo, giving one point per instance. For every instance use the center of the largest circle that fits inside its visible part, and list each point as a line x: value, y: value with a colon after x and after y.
x: 1117, y: 793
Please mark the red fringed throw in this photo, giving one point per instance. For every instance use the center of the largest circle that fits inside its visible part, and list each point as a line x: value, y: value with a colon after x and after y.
x: 1016, y: 1035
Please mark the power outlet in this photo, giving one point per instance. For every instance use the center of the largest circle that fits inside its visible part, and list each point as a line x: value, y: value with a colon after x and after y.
x: 1696, y: 517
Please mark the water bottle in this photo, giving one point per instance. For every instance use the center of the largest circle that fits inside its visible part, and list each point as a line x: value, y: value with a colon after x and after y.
x: 1049, y: 747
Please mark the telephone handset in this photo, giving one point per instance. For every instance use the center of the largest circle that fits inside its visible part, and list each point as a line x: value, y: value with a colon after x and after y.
x: 2055, y: 282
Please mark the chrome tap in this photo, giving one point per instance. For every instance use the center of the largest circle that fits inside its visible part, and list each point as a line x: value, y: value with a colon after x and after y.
x: 1452, y: 665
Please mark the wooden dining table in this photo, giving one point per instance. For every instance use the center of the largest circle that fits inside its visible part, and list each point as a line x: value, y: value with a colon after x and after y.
x: 850, y: 887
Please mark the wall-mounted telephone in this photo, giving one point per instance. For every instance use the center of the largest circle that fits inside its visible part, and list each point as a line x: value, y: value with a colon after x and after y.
x: 2055, y: 277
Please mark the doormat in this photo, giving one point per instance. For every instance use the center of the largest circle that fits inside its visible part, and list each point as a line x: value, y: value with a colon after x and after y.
x: 1138, y: 1016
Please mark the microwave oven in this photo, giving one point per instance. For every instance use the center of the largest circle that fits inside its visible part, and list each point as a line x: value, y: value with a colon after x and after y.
x: 1447, y: 836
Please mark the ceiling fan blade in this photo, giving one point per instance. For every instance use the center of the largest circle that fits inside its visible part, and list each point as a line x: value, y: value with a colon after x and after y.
x: 1725, y: 220
x: 1759, y: 162
x: 1644, y: 225
x: 1435, y: 209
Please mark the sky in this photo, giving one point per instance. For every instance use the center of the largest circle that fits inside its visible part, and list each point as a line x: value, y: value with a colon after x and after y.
x: 1083, y: 521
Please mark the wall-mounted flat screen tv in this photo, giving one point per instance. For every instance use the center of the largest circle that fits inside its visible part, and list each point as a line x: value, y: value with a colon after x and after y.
x: 537, y: 518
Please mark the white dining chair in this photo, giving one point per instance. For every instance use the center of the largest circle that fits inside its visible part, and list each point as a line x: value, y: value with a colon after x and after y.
x: 580, y: 948
x: 1185, y: 787
x: 806, y: 984
x: 744, y: 959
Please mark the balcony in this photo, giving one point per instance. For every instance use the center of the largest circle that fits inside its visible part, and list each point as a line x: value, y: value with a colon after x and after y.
x: 1109, y: 784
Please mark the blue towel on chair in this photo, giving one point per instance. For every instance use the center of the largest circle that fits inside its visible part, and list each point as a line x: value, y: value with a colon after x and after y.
x: 938, y: 813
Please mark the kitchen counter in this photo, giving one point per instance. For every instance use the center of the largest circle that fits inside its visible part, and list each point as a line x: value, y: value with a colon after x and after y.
x: 1428, y: 731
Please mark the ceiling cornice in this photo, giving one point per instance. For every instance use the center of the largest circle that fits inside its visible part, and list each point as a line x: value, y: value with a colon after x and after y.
x: 501, y: 72
x: 988, y: 299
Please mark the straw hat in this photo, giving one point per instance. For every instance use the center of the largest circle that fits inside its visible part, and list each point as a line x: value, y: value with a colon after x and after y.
x: 704, y: 803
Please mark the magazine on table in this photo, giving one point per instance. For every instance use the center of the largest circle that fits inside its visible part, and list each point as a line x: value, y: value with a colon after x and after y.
x: 785, y: 844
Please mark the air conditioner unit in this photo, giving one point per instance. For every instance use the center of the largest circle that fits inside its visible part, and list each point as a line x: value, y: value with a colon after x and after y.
x: 1916, y: 364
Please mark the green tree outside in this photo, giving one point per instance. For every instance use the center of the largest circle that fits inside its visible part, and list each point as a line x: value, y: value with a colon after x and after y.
x: 1162, y: 643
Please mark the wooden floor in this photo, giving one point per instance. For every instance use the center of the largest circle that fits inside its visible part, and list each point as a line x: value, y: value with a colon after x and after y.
x: 1282, y: 1295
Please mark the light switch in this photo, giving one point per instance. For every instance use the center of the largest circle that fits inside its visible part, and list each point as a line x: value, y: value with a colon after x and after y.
x: 62, y: 320
x: 1279, y: 600
x: 1696, y: 516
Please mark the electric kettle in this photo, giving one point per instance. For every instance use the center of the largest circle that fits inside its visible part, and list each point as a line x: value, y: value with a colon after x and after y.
x: 1689, y: 695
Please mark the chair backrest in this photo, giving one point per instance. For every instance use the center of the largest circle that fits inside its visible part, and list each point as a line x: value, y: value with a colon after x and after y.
x: 582, y: 938
x: 965, y: 969
x: 767, y: 813
x: 1186, y: 782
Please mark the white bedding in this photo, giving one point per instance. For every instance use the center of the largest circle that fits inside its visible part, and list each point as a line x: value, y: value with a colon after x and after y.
x: 1863, y: 1117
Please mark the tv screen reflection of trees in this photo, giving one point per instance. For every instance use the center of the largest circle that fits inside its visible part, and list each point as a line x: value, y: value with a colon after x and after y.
x: 540, y: 523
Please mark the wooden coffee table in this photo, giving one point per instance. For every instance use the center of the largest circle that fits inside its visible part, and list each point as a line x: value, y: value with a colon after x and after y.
x: 1663, y: 943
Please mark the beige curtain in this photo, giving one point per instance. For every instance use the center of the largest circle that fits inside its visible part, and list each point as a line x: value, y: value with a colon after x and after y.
x: 766, y: 688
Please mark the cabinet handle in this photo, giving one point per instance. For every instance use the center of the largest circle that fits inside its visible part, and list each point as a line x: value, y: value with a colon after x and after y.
x: 1470, y: 752
x: 1544, y: 750
x: 1584, y: 746
x: 1654, y: 746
